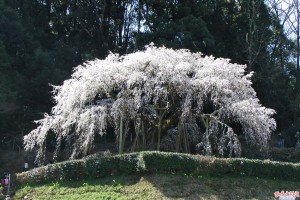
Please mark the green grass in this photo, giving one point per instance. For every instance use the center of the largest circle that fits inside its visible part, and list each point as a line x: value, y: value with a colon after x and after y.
x: 159, y: 186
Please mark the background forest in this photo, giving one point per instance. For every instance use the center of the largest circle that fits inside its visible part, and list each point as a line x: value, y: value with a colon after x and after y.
x: 42, y: 40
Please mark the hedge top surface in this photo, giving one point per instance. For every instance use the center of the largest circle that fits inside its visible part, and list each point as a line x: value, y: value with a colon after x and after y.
x: 147, y: 162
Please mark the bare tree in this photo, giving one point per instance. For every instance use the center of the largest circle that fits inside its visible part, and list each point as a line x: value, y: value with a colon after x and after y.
x: 287, y: 13
x: 255, y: 36
x: 251, y: 36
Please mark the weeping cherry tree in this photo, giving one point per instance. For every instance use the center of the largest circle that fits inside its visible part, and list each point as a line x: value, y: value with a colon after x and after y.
x: 164, y: 97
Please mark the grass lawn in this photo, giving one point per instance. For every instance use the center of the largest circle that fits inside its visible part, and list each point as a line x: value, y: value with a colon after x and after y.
x: 159, y: 186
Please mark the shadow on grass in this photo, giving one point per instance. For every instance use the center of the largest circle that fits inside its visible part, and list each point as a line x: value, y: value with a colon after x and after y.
x: 219, y: 187
x: 163, y: 186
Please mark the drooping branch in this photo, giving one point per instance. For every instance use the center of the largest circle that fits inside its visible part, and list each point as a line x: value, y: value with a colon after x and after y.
x: 151, y: 93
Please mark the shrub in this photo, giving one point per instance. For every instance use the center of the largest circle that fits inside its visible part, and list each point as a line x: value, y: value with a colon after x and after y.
x: 99, y: 167
x: 286, y: 154
x: 149, y: 162
x: 169, y: 162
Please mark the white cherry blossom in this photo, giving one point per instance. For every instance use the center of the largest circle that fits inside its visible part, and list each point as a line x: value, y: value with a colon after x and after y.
x: 161, y: 91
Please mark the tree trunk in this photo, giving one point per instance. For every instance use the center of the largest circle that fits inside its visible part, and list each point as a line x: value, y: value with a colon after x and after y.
x: 121, y: 135
x: 125, y: 131
x: 136, y: 139
x: 182, y: 143
x: 144, y: 136
x: 298, y: 50
x: 159, y: 133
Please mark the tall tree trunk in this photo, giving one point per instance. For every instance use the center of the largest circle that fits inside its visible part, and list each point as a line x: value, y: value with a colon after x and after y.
x: 143, y: 135
x: 106, y: 21
x: 120, y: 18
x: 121, y: 135
x: 182, y: 143
x: 298, y: 45
x: 159, y: 131
x: 162, y: 112
x: 48, y: 5
x: 139, y: 17
x: 125, y: 131
x: 136, y: 139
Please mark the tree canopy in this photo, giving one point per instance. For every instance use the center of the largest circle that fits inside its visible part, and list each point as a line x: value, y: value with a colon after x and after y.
x: 41, y: 41
x: 199, y: 96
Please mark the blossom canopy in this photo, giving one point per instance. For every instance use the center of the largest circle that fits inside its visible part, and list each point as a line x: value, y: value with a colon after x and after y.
x: 162, y: 94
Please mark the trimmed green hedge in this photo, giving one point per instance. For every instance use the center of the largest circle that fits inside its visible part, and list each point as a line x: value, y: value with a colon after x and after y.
x: 148, y: 162
x: 285, y: 154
